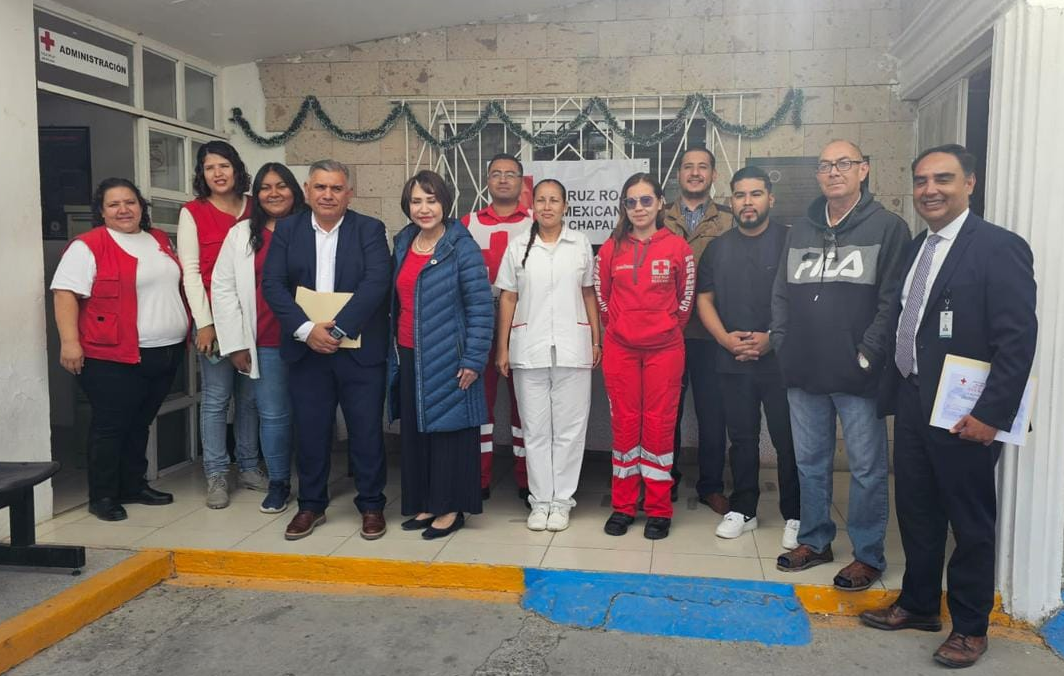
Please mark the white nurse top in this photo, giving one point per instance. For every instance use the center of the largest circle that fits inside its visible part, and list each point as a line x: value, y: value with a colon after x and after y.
x: 550, y: 306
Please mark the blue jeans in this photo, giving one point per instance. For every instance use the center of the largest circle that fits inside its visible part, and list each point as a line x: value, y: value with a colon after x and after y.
x: 275, y: 416
x: 813, y: 426
x: 218, y: 384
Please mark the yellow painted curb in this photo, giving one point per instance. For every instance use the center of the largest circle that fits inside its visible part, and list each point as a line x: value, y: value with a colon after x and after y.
x: 825, y: 600
x: 28, y: 633
x: 377, y: 572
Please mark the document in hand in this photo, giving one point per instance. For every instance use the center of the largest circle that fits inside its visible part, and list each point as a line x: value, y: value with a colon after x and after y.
x: 959, y: 389
x: 323, y: 307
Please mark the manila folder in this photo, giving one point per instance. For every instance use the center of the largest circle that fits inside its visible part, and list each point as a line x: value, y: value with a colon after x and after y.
x: 323, y: 307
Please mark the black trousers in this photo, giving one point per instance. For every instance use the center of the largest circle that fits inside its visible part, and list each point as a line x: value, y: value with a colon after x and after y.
x: 939, y: 480
x: 700, y: 374
x: 747, y: 392
x: 318, y: 382
x: 441, y: 470
x: 125, y: 399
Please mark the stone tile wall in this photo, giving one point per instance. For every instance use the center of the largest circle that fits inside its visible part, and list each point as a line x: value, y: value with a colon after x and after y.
x: 834, y: 49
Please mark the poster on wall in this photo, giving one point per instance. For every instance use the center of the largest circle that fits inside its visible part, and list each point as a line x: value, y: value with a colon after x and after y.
x: 70, y: 53
x: 594, y: 191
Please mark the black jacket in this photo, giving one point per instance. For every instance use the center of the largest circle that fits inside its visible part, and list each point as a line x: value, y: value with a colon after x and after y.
x: 987, y: 282
x: 833, y: 298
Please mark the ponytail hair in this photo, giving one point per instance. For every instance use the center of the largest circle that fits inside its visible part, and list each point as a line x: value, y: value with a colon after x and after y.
x: 624, y: 226
x: 535, y: 224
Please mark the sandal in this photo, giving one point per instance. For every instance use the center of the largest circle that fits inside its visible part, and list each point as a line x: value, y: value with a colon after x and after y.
x: 857, y: 577
x: 803, y: 558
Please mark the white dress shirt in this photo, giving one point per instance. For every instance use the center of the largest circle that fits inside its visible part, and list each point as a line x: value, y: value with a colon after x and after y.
x: 550, y: 309
x: 948, y: 235
x: 325, y: 265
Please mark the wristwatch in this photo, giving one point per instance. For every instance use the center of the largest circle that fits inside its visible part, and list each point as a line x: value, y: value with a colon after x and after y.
x: 337, y: 333
x: 863, y: 362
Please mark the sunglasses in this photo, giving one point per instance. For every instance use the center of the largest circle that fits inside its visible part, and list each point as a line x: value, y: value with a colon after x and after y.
x: 646, y: 200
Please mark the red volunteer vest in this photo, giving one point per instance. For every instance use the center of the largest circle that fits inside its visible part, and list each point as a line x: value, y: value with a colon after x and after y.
x: 212, y: 225
x: 107, y: 319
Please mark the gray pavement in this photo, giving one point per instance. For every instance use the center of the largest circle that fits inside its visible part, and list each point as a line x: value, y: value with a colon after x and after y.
x: 193, y: 631
x: 23, y: 588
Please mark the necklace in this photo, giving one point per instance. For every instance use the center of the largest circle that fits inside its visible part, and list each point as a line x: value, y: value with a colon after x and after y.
x: 426, y: 250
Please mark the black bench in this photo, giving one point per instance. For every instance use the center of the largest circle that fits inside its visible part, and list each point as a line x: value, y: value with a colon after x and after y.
x: 17, y: 480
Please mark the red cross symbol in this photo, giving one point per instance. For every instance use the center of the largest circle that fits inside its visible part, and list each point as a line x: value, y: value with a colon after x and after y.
x: 47, y: 41
x: 660, y: 267
x: 964, y: 381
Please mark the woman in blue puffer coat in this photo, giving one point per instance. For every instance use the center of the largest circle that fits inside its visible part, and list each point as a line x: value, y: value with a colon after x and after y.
x: 442, y: 321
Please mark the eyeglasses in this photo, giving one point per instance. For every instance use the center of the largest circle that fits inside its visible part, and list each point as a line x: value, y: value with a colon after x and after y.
x: 646, y: 200
x: 831, y: 245
x: 509, y: 175
x: 843, y: 165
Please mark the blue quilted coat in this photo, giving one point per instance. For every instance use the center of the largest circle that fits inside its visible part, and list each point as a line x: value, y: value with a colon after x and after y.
x: 454, y: 317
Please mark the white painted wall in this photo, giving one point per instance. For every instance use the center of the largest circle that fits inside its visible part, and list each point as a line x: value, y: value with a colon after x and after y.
x: 241, y: 88
x: 23, y: 360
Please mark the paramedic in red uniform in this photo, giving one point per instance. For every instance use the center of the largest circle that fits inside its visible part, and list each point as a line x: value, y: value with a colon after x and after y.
x: 493, y: 228
x: 645, y: 280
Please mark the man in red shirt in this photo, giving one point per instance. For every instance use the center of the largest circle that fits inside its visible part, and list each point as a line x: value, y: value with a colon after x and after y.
x: 492, y: 227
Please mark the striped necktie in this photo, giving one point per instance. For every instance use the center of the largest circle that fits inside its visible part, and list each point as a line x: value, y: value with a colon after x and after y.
x: 910, y: 314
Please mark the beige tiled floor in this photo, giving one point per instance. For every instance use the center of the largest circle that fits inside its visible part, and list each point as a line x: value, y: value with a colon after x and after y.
x: 498, y: 536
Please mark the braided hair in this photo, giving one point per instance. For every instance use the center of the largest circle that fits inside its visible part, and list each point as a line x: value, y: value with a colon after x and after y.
x: 535, y: 224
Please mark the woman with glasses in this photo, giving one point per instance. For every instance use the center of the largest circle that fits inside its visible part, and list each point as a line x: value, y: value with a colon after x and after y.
x: 645, y: 280
x: 248, y: 332
x: 549, y: 335
x: 220, y: 183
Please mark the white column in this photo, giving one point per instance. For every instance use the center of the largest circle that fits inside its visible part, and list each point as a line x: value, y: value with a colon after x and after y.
x: 1025, y: 193
x: 23, y: 365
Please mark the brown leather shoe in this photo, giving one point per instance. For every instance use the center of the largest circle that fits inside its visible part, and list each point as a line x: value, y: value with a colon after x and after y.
x: 894, y: 617
x: 857, y: 576
x: 373, y: 525
x: 303, y: 524
x: 960, y: 651
x: 717, y: 502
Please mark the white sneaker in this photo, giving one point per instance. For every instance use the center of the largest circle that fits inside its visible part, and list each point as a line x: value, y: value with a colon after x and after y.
x: 537, y: 520
x: 790, y: 534
x: 558, y: 519
x: 735, y: 524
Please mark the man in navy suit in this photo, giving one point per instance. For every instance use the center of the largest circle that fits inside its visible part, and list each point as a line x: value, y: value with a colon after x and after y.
x: 969, y: 291
x: 333, y: 249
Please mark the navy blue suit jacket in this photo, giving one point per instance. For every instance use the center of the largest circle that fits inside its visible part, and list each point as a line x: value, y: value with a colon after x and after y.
x: 987, y: 281
x: 363, y: 267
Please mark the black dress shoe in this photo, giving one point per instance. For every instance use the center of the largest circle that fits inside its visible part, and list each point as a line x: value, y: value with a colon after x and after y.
x: 107, y: 509
x: 147, y: 496
x: 656, y: 528
x: 417, y: 524
x: 432, y: 533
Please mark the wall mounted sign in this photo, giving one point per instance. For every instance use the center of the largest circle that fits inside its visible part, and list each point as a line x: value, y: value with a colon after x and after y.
x: 66, y: 52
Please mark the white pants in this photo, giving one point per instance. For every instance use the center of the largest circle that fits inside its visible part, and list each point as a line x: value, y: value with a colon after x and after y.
x: 554, y: 404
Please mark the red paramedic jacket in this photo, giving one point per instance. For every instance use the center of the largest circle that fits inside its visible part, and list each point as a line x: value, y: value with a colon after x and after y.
x: 646, y: 290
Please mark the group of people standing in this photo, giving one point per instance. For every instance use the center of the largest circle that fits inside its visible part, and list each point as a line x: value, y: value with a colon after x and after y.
x: 838, y: 316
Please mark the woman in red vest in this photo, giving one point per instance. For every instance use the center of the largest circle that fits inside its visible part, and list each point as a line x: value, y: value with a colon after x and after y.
x: 122, y: 326
x: 220, y: 183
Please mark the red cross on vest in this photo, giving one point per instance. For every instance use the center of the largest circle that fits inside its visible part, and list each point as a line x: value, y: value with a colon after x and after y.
x: 660, y: 267
x: 47, y: 41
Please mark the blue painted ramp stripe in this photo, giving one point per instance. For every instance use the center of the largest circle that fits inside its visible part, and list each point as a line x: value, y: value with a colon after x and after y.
x: 1052, y: 630
x: 693, y: 607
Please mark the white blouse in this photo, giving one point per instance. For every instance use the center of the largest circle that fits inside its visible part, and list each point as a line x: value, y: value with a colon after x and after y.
x: 550, y: 303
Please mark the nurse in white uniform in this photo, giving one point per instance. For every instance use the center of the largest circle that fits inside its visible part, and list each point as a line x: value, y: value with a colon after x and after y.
x: 549, y: 336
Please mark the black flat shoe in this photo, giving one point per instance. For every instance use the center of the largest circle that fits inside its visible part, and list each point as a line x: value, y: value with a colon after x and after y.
x: 147, y: 496
x: 107, y: 509
x: 656, y: 528
x: 618, y: 523
x: 431, y: 533
x: 417, y: 524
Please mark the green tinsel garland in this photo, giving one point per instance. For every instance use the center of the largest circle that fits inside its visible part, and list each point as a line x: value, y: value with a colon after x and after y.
x: 790, y: 107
